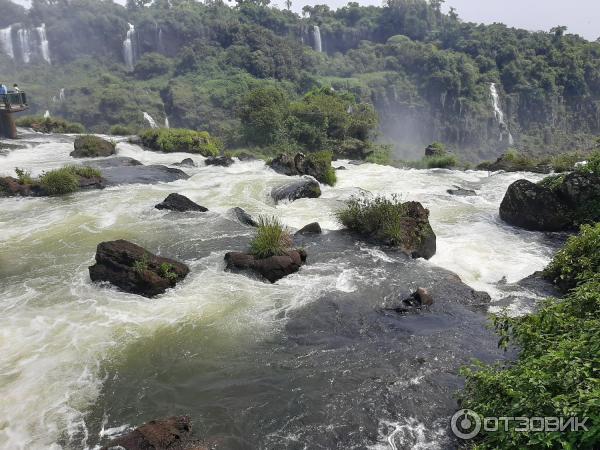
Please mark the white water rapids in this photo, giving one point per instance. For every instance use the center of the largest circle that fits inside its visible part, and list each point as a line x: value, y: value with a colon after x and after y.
x: 56, y: 327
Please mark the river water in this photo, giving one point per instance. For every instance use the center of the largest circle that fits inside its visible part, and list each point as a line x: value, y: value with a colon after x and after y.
x: 249, y: 361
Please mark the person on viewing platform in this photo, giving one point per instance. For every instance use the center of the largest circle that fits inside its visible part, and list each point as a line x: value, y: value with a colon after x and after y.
x: 3, y: 90
x: 16, y: 88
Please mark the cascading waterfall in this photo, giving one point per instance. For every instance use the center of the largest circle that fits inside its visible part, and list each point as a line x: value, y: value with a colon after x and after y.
x: 61, y: 94
x: 129, y: 47
x: 317, y: 39
x: 148, y: 118
x: 499, y: 114
x: 46, y: 114
x: 167, y: 125
x: 25, y: 44
x: 160, y: 43
x: 6, y: 42
x: 44, y: 46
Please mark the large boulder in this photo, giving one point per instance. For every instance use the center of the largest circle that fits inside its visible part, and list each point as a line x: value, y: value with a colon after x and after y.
x: 223, y: 161
x: 306, y: 187
x: 123, y: 170
x: 173, y: 433
x: 421, y: 241
x: 133, y: 269
x: 314, y: 165
x: 579, y: 189
x: 534, y: 207
x: 90, y: 146
x: 311, y: 228
x: 273, y: 268
x: 178, y: 202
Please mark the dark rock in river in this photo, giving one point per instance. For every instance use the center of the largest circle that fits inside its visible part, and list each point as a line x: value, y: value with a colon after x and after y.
x: 178, y: 202
x: 244, y: 217
x: 121, y: 170
x: 300, y: 164
x: 306, y: 187
x: 461, y: 192
x: 534, y: 207
x: 134, y: 269
x: 187, y: 162
x: 311, y: 228
x: 223, y: 161
x: 273, y: 268
x: 10, y: 187
x: 167, y: 434
x: 90, y: 146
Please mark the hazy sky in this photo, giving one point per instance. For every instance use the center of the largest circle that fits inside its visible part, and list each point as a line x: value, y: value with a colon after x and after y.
x: 580, y: 16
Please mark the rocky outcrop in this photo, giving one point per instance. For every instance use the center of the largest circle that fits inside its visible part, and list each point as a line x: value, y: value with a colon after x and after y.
x: 92, y: 147
x: 306, y: 187
x: 11, y: 187
x: 511, y: 163
x: 178, y: 202
x: 133, y: 269
x: 244, y: 217
x: 273, y: 268
x: 311, y: 228
x: 300, y: 164
x: 561, y: 205
x: 187, y: 162
x: 122, y: 170
x: 223, y: 161
x: 173, y: 433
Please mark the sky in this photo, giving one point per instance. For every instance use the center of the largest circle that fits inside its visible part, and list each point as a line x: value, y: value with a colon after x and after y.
x: 579, y: 16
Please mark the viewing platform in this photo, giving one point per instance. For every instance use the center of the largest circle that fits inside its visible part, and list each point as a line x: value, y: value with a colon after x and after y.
x: 10, y: 103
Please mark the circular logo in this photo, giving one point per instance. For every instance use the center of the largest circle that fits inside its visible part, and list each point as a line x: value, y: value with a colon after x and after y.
x: 466, y: 424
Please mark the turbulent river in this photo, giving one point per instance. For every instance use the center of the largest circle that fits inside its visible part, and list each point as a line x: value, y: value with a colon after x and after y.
x: 303, y: 363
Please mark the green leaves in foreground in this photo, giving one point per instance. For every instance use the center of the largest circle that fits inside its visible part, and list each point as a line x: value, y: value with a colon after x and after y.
x: 271, y: 239
x: 557, y: 373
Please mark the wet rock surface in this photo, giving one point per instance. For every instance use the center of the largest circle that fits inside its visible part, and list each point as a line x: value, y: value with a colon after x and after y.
x: 461, y: 192
x: 133, y: 269
x: 92, y: 147
x: 243, y: 217
x: 187, y: 162
x: 180, y: 203
x: 300, y: 164
x: 306, y: 187
x: 122, y: 170
x: 311, y: 228
x: 223, y: 161
x: 272, y: 269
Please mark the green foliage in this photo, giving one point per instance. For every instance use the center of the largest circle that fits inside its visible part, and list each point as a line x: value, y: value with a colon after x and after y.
x: 578, y: 261
x: 181, y: 140
x: 152, y: 65
x: 379, y: 217
x: 441, y: 162
x: 166, y: 270
x: 272, y: 238
x: 381, y: 154
x: 553, y: 182
x: 24, y: 176
x: 566, y: 162
x: 322, y: 161
x: 592, y: 165
x: 90, y: 145
x: 50, y: 125
x: 556, y: 374
x: 66, y: 179
x: 141, y: 265
x: 121, y: 130
x: 436, y: 149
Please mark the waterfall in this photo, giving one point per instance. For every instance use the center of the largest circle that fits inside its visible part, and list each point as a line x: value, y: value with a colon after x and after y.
x: 129, y: 47
x: 6, y: 42
x: 317, y: 39
x: 47, y: 114
x: 160, y: 44
x: 148, y: 118
x: 499, y: 114
x: 61, y: 94
x: 167, y: 125
x: 44, y: 47
x: 25, y: 43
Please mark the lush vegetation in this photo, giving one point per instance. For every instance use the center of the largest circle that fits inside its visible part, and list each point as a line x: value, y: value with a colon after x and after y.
x: 322, y: 162
x: 514, y: 161
x: 426, y: 73
x: 49, y: 125
x: 66, y: 179
x: 556, y: 374
x: 272, y: 238
x: 180, y: 140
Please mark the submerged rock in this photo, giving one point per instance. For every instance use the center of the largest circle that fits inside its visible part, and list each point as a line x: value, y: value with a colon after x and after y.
x: 244, y: 217
x: 461, y: 192
x: 223, y: 161
x: 92, y: 147
x: 311, y: 228
x: 273, y: 268
x: 122, y: 170
x: 173, y: 433
x: 133, y: 269
x: 187, y: 162
x: 178, y: 202
x: 306, y: 187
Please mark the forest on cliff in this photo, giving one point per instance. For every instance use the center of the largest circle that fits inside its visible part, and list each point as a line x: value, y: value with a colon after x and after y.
x: 429, y: 75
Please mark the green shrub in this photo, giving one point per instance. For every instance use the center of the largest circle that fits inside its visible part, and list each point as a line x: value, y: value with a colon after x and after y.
x: 436, y: 149
x: 66, y: 179
x: 141, y: 265
x: 170, y: 140
x: 579, y: 259
x: 121, y: 130
x: 166, y: 271
x: 322, y: 161
x: 379, y: 217
x: 566, y: 162
x: 382, y: 154
x: 271, y: 238
x: 50, y: 125
x: 553, y: 182
x: 592, y: 165
x: 441, y: 162
x: 23, y: 176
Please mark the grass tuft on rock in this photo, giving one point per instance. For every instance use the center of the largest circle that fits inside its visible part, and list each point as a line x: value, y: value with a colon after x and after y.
x: 322, y: 160
x: 66, y: 179
x: 272, y: 238
x: 171, y: 140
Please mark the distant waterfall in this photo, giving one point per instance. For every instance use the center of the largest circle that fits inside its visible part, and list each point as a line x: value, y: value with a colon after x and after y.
x: 160, y: 46
x: 25, y: 44
x: 61, y: 94
x: 6, y: 42
x: 148, y: 118
x: 44, y: 47
x: 129, y: 48
x: 499, y: 114
x: 47, y: 114
x: 167, y: 125
x: 317, y: 39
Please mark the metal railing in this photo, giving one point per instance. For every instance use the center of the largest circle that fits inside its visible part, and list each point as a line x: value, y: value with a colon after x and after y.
x: 13, y: 99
